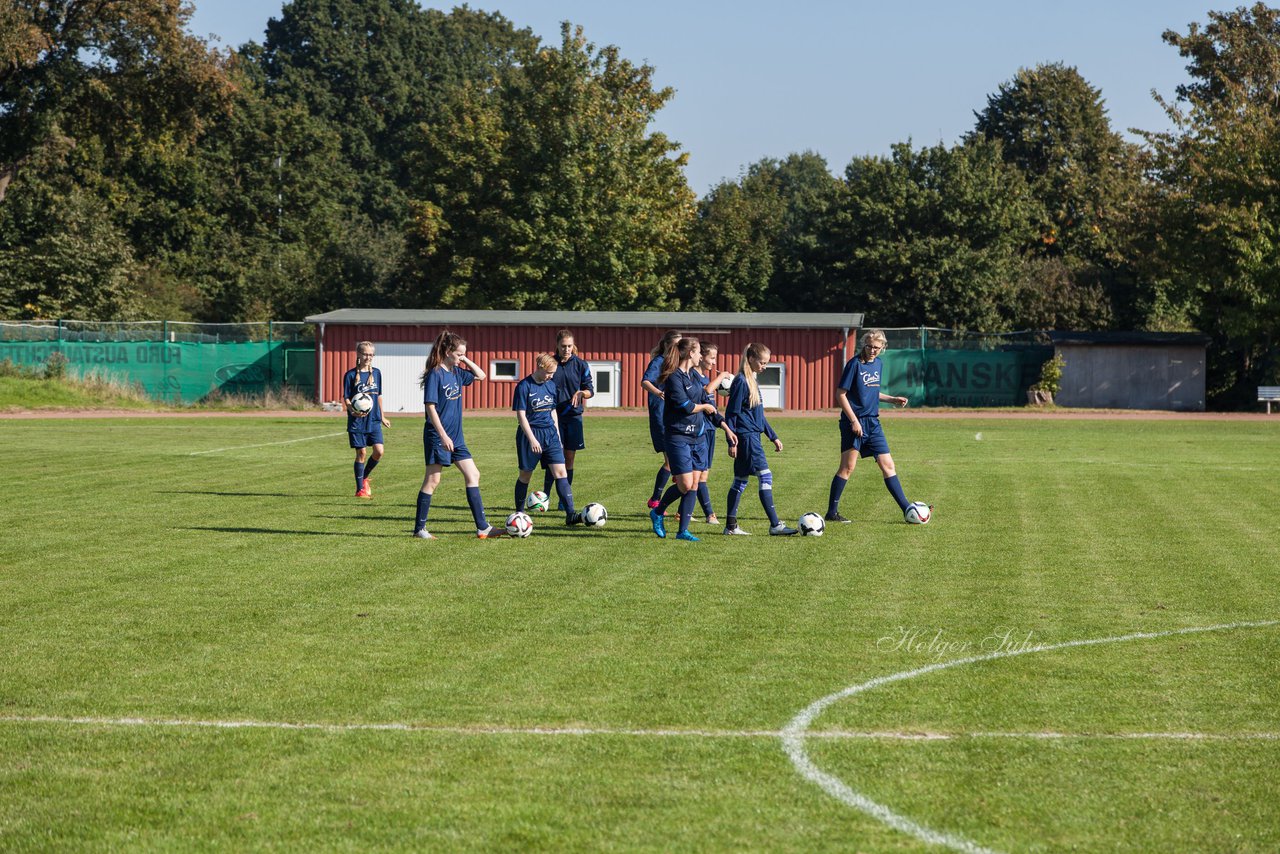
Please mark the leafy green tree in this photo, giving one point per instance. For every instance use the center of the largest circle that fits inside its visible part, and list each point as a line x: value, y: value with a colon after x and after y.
x: 123, y: 71
x: 545, y: 189
x: 754, y: 242
x: 372, y: 70
x: 1219, y: 170
x: 930, y: 236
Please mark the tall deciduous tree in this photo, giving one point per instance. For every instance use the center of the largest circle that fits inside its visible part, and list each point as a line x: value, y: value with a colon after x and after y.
x: 930, y: 236
x: 125, y: 71
x: 1220, y: 175
x: 546, y: 189
x: 755, y: 241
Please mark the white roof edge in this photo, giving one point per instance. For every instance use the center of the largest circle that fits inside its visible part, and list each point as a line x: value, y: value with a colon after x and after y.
x: 675, y: 320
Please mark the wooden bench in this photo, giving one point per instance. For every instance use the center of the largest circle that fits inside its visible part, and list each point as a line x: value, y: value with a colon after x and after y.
x: 1268, y: 394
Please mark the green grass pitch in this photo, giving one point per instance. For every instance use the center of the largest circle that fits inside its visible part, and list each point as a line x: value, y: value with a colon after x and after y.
x: 606, y: 690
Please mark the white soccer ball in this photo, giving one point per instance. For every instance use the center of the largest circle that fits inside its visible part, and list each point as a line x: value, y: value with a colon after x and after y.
x: 537, y: 502
x: 812, y: 525
x: 519, y: 524
x: 725, y: 385
x: 918, y: 513
x: 594, y: 515
x: 362, y: 403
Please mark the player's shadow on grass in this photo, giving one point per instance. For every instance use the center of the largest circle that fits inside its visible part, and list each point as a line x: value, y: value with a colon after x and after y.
x: 288, y: 532
x: 243, y: 494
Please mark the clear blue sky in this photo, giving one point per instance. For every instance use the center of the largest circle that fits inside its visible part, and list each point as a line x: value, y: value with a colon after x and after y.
x: 758, y: 78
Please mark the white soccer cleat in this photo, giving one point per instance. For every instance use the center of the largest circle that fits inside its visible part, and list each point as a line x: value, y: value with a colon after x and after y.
x: 735, y: 531
x: 423, y: 534
x: 781, y: 530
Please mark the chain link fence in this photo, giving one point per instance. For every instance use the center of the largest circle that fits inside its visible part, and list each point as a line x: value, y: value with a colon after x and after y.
x: 165, y: 331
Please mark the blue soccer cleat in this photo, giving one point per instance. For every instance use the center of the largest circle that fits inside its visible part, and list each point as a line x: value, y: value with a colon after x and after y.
x: 687, y: 537
x: 659, y: 527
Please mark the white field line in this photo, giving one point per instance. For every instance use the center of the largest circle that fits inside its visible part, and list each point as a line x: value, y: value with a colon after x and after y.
x: 796, y: 732
x: 482, y: 729
x: 265, y: 444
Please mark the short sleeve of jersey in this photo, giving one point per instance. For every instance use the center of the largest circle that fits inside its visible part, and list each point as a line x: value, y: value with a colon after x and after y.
x: 431, y: 389
x: 654, y: 370
x: 520, y: 395
x: 377, y: 381
x: 465, y: 377
x: 850, y: 374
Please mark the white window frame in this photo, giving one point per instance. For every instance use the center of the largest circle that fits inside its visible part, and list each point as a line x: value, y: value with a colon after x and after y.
x: 493, y: 370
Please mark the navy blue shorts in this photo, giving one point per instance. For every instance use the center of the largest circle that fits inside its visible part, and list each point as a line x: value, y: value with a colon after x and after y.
x: 871, y: 443
x: 571, y: 435
x: 435, y: 453
x: 552, y: 450
x: 657, y: 433
x: 750, y: 458
x: 366, y: 439
x: 686, y: 455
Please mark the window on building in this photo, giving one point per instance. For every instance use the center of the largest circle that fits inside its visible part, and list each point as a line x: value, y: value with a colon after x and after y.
x: 504, y: 369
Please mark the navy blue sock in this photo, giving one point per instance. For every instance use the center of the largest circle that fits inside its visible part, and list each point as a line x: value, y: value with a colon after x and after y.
x: 704, y: 498
x: 687, y: 503
x: 766, y: 499
x: 359, y: 475
x: 569, y: 474
x: 522, y: 489
x: 547, y: 480
x: 671, y: 496
x: 371, y: 465
x: 565, y: 491
x: 660, y: 483
x: 735, y: 496
x: 477, y: 507
x: 895, y: 489
x: 838, y: 484
x: 424, y: 507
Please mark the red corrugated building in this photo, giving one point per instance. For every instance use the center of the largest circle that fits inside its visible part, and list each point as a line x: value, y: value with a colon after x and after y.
x: 809, y: 350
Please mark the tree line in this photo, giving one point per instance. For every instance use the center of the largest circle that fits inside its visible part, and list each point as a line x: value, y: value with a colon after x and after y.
x: 372, y: 153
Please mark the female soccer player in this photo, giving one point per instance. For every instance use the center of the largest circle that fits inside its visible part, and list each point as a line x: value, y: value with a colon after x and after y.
x: 858, y: 395
x: 684, y: 424
x: 710, y: 378
x: 364, y: 429
x: 538, y: 436
x: 448, y: 372
x: 651, y: 383
x: 573, y: 389
x: 745, y: 415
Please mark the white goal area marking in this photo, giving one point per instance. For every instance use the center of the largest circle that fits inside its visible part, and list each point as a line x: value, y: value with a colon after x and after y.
x: 796, y: 732
x: 265, y: 444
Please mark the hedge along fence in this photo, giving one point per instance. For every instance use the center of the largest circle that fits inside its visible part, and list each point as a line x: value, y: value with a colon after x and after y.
x: 949, y: 367
x: 176, y: 363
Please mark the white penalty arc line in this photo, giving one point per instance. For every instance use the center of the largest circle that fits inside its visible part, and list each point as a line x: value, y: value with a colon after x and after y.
x: 495, y: 729
x: 795, y: 733
x: 265, y: 444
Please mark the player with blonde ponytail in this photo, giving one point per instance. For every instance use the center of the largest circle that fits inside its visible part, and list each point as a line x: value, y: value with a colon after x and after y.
x: 744, y: 413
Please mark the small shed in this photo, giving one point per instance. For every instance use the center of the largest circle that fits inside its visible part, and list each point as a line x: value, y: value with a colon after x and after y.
x: 809, y: 350
x: 1132, y: 370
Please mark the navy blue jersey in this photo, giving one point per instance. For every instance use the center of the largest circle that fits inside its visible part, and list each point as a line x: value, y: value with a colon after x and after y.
x: 537, y: 400
x: 367, y: 382
x: 683, y: 393
x: 651, y: 373
x: 715, y: 418
x: 573, y: 376
x: 444, y: 389
x: 745, y: 419
x: 861, y: 384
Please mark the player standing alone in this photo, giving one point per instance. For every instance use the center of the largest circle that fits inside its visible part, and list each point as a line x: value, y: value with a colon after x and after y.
x: 858, y: 396
x: 448, y: 372
x: 364, y: 429
x: 573, y: 389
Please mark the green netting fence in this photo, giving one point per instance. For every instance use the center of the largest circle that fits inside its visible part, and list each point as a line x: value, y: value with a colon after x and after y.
x: 174, y: 362
x: 951, y: 367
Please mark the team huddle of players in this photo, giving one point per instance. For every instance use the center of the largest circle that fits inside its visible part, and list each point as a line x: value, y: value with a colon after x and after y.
x: 682, y: 381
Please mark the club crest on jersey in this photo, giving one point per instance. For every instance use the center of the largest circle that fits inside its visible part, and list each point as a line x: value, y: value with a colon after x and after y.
x: 452, y: 391
x: 541, y: 401
x: 869, y: 379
